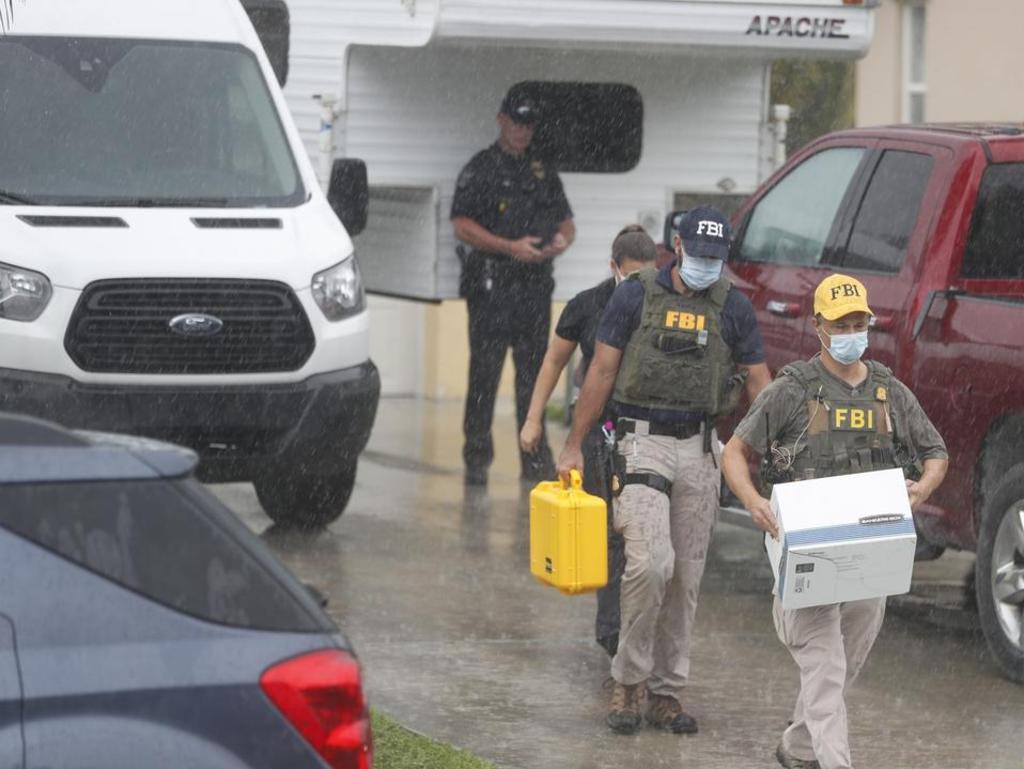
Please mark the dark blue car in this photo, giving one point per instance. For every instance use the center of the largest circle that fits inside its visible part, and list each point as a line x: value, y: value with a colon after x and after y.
x: 142, y: 625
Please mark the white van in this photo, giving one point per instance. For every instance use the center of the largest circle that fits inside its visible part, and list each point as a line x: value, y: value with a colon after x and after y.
x: 169, y: 265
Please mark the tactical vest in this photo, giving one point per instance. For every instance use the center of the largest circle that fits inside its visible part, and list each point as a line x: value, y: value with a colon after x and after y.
x: 677, y: 359
x: 846, y: 434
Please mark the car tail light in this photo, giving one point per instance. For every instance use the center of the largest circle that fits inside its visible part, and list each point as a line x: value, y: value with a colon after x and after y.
x: 321, y: 695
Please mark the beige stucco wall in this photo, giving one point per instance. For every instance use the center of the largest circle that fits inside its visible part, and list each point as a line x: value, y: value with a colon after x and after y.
x: 973, y: 60
x: 878, y: 73
x: 446, y: 353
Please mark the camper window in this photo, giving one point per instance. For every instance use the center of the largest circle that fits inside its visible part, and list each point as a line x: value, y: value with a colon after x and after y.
x: 588, y: 127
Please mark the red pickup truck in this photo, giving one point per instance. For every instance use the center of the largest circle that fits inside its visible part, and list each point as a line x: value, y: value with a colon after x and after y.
x: 931, y: 220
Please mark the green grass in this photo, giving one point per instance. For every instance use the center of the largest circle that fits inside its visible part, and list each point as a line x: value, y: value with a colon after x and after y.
x: 395, y: 747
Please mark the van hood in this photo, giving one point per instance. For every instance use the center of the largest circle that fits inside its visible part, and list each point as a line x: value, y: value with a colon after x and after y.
x: 76, y: 246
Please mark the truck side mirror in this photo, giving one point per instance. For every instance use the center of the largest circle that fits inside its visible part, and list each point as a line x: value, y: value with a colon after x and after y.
x: 671, y: 224
x: 349, y: 194
x: 272, y: 22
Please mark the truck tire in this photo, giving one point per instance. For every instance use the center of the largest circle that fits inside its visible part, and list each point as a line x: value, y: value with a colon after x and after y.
x: 999, y: 573
x: 295, y: 498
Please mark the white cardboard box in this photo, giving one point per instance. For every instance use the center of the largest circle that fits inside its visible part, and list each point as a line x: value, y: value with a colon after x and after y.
x: 842, y: 539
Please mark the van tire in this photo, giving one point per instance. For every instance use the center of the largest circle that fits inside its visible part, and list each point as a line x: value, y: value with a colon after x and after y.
x: 302, y: 500
x: 1001, y: 548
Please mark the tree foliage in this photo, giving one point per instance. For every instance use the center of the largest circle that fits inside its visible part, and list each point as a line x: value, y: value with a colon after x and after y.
x: 821, y: 94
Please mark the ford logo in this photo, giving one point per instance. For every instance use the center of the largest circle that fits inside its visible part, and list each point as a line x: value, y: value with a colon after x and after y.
x: 196, y: 324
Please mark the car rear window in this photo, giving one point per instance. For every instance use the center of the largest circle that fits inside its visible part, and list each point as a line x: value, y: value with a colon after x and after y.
x: 158, y: 539
x: 995, y: 248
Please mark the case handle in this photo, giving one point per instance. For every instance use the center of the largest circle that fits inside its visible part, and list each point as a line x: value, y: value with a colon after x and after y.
x: 575, y: 480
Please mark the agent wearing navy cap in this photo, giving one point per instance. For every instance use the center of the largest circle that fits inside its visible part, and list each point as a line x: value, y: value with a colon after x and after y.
x: 675, y: 349
x: 510, y: 209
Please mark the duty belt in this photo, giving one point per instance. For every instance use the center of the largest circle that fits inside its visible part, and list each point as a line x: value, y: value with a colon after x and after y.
x: 680, y: 431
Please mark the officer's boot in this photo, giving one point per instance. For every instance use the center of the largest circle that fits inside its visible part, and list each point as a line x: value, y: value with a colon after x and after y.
x: 624, y: 712
x: 666, y: 713
x: 792, y: 762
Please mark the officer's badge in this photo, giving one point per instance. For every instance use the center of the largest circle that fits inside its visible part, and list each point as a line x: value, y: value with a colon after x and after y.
x: 538, y: 169
x: 881, y: 394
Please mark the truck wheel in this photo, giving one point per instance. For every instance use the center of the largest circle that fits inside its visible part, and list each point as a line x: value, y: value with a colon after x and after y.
x: 308, y: 501
x: 999, y: 573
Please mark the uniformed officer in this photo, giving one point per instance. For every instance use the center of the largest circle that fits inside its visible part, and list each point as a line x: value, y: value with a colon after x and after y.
x: 511, y: 210
x: 803, y: 423
x: 632, y: 251
x: 675, y: 345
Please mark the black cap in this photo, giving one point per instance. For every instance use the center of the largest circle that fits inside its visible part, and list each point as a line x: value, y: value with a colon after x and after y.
x: 706, y: 232
x: 520, y: 107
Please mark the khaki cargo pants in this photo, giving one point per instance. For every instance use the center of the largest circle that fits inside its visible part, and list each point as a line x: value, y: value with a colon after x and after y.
x: 829, y: 644
x: 666, y: 542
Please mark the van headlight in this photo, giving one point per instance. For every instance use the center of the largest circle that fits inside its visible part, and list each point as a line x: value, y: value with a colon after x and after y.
x: 338, y: 290
x: 24, y: 294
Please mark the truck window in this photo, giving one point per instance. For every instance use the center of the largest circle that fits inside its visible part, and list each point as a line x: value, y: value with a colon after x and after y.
x: 594, y: 127
x: 995, y: 246
x: 151, y: 538
x: 792, y: 222
x: 888, y: 212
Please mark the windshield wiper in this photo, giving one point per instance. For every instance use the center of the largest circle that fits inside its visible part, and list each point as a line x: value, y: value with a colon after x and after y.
x: 10, y: 199
x: 157, y: 202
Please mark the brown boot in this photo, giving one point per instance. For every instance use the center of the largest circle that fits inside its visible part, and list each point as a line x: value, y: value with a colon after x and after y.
x: 624, y: 712
x: 666, y: 713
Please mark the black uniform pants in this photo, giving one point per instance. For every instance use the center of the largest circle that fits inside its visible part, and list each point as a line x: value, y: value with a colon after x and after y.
x: 595, y: 481
x: 517, y: 316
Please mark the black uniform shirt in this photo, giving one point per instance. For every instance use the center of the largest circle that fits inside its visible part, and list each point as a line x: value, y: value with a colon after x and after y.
x: 511, y: 195
x: 581, y: 316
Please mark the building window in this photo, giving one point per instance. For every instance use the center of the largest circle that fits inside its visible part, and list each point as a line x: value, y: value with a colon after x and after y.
x: 915, y: 89
x: 591, y: 127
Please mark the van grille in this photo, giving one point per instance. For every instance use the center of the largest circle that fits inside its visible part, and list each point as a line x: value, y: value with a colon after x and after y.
x: 124, y: 326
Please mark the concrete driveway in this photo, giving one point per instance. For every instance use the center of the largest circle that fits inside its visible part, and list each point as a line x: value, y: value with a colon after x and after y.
x: 432, y: 585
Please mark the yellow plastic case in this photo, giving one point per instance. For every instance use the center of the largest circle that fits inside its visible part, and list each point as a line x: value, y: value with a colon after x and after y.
x: 568, y: 537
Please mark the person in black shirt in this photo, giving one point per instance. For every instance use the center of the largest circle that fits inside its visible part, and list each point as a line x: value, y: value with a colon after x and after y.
x: 632, y: 250
x: 510, y: 209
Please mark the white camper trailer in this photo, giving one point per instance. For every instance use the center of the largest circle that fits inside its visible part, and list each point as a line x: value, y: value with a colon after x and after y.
x: 678, y: 90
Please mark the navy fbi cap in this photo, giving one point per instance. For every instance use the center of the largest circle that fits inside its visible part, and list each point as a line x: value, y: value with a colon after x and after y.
x: 520, y: 107
x: 705, y: 231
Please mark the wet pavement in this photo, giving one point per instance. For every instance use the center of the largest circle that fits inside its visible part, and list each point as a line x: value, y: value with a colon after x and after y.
x: 432, y: 585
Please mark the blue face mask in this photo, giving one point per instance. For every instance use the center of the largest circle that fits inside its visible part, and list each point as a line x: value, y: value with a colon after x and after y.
x: 847, y: 348
x: 699, y: 272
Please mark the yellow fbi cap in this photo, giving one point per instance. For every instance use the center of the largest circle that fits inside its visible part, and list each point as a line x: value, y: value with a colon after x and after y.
x: 839, y: 295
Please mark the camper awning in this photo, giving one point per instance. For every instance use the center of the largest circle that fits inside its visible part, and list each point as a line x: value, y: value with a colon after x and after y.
x: 831, y: 28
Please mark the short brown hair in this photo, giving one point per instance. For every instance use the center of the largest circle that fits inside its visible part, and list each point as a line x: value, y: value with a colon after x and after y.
x: 633, y: 243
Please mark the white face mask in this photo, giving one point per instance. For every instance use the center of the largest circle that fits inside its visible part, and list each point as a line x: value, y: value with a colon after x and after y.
x: 846, y: 348
x: 699, y: 273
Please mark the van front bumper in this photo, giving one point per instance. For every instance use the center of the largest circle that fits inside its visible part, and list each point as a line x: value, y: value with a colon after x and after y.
x: 239, y: 431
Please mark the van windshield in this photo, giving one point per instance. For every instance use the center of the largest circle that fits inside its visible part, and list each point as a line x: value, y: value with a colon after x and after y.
x: 87, y: 121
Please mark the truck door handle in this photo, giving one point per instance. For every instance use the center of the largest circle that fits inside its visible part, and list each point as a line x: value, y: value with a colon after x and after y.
x: 881, y: 322
x: 783, y: 309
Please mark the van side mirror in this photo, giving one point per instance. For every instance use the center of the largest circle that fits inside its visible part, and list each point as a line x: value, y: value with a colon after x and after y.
x: 349, y: 194
x: 671, y: 226
x: 272, y: 22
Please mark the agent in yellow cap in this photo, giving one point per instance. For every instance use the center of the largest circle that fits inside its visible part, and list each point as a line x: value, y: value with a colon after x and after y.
x: 835, y: 414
